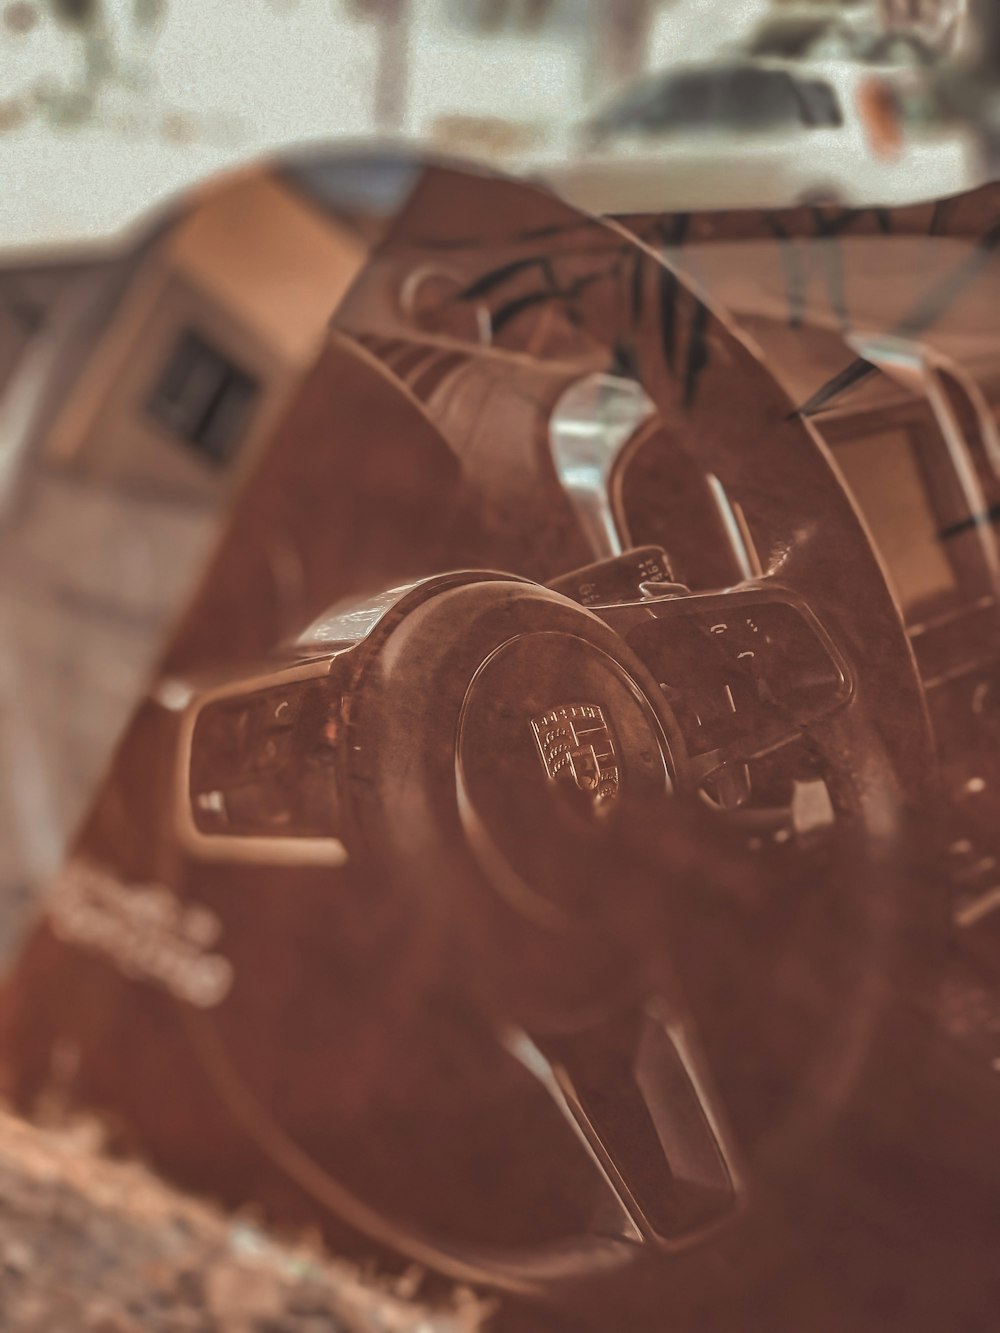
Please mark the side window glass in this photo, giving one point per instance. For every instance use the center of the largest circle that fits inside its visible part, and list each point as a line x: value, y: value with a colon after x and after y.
x: 820, y: 106
x: 203, y: 399
x: 642, y: 107
x: 759, y: 101
x: 685, y: 102
x: 692, y: 103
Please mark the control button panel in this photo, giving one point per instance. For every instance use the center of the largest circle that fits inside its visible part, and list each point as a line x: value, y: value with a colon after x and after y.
x: 262, y: 763
x: 744, y: 674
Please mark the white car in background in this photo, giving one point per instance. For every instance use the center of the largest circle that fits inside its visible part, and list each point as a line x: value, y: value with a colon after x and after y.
x: 760, y: 134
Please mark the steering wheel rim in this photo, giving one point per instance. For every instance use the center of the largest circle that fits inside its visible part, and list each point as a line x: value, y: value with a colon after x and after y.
x: 801, y: 565
x: 806, y: 562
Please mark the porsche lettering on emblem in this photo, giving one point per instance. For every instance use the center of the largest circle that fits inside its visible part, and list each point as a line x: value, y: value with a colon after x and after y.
x: 576, y: 744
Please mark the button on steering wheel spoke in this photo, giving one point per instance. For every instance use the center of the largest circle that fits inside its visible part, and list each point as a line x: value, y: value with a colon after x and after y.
x: 746, y: 671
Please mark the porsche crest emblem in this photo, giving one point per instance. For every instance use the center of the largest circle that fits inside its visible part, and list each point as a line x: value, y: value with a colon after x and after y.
x: 576, y: 745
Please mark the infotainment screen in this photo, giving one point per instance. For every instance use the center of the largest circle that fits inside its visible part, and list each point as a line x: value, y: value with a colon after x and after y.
x: 884, y: 474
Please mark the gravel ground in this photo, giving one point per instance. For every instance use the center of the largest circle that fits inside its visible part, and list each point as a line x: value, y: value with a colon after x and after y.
x: 92, y: 1245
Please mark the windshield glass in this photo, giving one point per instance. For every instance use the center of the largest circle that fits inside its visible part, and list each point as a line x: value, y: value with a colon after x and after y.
x: 110, y: 108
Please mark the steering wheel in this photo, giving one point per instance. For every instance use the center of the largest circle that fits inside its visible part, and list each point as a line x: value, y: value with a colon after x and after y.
x: 591, y: 649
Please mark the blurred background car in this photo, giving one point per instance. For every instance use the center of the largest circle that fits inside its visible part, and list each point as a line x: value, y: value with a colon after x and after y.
x: 764, y: 132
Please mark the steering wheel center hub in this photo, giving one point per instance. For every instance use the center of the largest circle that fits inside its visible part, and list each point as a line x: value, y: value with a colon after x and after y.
x: 554, y: 727
x: 545, y: 736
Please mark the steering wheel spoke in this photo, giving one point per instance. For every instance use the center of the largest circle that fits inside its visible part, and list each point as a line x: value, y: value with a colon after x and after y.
x: 592, y: 424
x: 631, y: 1090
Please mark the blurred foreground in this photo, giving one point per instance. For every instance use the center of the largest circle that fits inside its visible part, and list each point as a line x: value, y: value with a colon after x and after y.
x: 101, y: 1246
